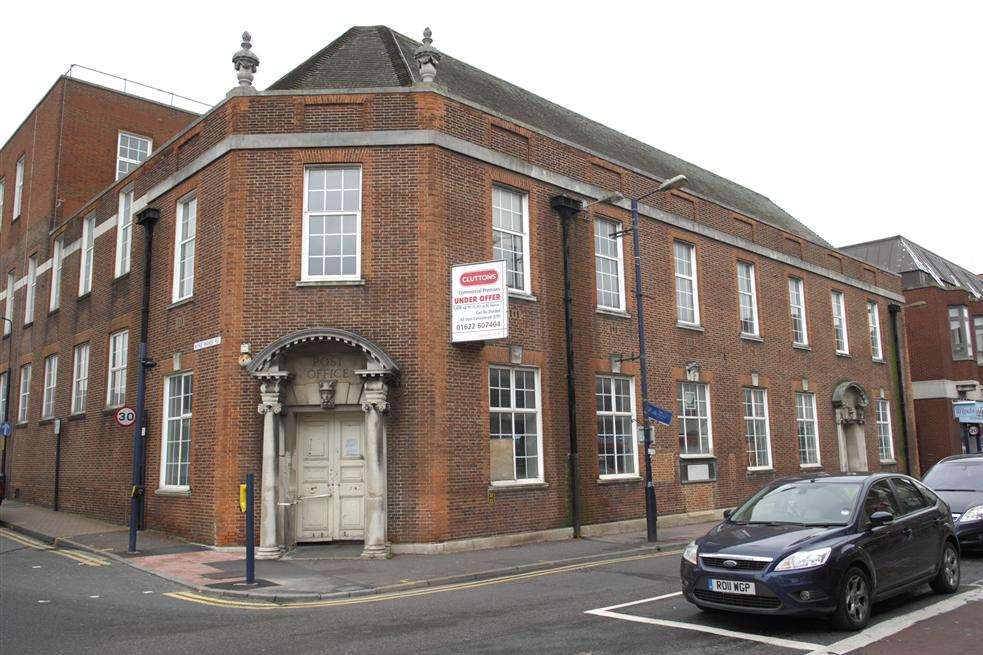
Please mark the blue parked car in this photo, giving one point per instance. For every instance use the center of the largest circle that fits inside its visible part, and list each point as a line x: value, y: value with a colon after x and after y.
x: 824, y: 545
x: 958, y: 480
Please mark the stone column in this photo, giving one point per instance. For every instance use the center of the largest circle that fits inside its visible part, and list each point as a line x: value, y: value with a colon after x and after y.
x: 270, y: 407
x: 375, y: 404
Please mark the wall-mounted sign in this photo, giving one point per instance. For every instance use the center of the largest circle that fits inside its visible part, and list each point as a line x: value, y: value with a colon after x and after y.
x: 968, y: 411
x: 479, y: 302
x: 208, y: 343
x: 125, y: 416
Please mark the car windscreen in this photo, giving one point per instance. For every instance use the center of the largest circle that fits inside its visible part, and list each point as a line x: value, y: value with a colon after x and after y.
x: 957, y: 475
x: 801, y: 503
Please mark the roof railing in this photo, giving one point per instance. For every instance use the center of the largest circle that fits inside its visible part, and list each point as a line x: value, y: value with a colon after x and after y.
x: 138, y: 89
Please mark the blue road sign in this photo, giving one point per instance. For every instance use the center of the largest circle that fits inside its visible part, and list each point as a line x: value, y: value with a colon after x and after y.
x: 5, y: 429
x: 658, y: 414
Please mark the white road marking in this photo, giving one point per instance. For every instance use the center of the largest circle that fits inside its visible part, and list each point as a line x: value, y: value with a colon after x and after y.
x: 638, y: 602
x: 891, y: 626
x: 96, y: 596
x: 148, y: 592
x: 37, y: 566
x: 44, y: 601
x: 747, y: 636
x: 872, y: 634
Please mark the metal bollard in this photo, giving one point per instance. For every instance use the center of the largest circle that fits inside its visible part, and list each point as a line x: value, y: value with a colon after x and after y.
x: 250, y: 537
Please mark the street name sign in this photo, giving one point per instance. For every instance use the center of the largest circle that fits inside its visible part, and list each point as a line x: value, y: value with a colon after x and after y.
x: 657, y: 414
x: 479, y: 302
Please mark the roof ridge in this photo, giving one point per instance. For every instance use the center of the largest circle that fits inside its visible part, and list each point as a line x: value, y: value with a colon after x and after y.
x: 399, y: 51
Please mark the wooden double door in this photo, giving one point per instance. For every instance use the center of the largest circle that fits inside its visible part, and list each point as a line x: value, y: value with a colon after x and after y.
x: 331, y: 469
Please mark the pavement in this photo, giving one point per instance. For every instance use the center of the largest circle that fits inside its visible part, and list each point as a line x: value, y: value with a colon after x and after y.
x: 319, y: 572
x: 63, y: 600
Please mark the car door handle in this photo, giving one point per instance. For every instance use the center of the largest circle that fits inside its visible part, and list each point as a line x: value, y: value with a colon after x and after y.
x: 907, y: 532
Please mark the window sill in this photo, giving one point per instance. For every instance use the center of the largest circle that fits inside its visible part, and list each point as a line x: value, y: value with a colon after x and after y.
x: 802, y: 346
x: 110, y: 410
x: 608, y: 311
x: 330, y: 283
x: 842, y: 354
x: 29, y: 324
x: 697, y: 456
x: 76, y: 417
x: 522, y: 295
x: 84, y: 296
x: 517, y: 486
x: 181, y: 303
x: 21, y: 424
x: 759, y: 469
x: 618, y: 479
x: 810, y: 466
x: 52, y: 312
x: 121, y: 277
x: 752, y: 337
x: 888, y: 461
x: 173, y: 492
x: 47, y: 421
x: 690, y: 326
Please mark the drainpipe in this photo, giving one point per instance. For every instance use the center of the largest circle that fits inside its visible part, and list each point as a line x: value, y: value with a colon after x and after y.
x: 895, y: 310
x: 147, y: 218
x: 6, y: 400
x: 568, y: 208
x: 54, y: 500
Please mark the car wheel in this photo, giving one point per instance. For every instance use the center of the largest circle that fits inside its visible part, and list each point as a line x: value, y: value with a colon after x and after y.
x: 946, y: 581
x: 855, y: 599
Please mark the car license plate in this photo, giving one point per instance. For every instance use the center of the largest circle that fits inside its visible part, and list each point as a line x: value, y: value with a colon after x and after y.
x: 732, y: 587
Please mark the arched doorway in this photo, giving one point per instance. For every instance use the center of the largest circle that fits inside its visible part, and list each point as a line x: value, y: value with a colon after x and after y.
x: 850, y: 403
x: 324, y: 398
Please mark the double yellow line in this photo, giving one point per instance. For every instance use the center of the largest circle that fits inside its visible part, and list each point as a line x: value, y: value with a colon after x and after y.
x: 261, y: 605
x: 79, y: 556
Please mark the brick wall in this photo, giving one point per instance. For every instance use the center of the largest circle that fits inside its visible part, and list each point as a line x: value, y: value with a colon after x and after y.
x: 424, y: 209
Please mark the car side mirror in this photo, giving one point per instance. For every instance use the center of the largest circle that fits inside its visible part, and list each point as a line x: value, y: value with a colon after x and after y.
x: 878, y: 519
x: 728, y: 513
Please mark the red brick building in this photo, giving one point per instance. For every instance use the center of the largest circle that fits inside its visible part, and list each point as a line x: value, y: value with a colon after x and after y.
x: 944, y: 323
x: 77, y: 141
x: 301, y: 262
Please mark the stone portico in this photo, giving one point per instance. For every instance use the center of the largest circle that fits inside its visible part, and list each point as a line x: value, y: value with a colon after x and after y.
x: 324, y: 397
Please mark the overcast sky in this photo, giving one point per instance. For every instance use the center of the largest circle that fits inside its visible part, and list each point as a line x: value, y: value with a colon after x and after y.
x: 861, y: 119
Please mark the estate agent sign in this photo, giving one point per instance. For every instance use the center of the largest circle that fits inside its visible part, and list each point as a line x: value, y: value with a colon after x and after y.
x: 479, y: 302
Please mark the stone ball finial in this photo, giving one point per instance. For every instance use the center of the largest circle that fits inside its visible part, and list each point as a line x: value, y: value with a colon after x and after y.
x: 245, y: 62
x: 427, y: 57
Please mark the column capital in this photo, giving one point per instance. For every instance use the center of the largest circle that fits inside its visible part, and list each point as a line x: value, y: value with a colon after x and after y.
x: 375, y: 396
x: 271, y: 386
x: 375, y: 390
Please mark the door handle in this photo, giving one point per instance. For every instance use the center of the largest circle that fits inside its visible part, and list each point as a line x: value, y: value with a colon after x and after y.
x: 907, y: 532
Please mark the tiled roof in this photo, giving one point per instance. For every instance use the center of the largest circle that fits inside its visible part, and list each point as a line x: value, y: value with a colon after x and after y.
x: 374, y: 57
x: 900, y: 255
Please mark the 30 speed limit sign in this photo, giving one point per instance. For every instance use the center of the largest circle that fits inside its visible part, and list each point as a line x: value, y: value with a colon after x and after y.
x: 125, y: 416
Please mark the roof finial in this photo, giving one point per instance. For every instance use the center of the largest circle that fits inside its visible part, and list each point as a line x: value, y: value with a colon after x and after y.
x: 245, y: 62
x: 427, y: 57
